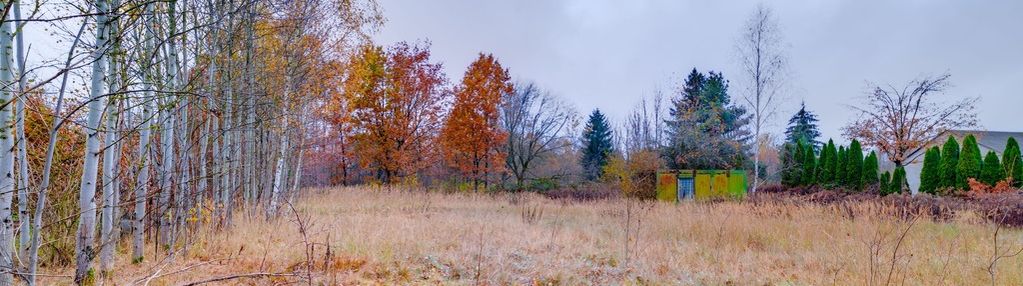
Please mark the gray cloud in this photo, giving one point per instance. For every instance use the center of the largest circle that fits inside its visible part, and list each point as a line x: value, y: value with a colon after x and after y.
x: 607, y: 54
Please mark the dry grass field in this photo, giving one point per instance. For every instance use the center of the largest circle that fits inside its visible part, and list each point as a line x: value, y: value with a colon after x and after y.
x: 361, y: 236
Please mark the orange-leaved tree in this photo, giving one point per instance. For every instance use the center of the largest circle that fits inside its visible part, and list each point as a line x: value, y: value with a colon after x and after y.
x: 394, y: 102
x: 471, y: 136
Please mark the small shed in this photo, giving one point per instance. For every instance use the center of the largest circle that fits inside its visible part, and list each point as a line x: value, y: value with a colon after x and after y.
x: 678, y: 185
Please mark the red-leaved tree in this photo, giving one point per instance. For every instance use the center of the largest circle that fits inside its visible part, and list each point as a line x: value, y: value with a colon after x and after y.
x: 471, y: 136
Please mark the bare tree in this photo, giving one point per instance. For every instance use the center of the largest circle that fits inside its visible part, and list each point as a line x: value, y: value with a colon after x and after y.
x: 900, y: 121
x: 534, y: 120
x: 643, y: 125
x: 764, y: 64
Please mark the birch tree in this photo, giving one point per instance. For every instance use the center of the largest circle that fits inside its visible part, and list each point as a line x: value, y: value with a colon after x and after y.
x: 141, y: 80
x: 142, y: 182
x: 22, y: 156
x: 110, y: 158
x: 84, y: 251
x: 761, y: 52
x: 6, y: 153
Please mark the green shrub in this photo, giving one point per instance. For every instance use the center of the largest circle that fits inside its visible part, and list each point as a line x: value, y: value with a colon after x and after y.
x: 969, y: 163
x: 791, y: 164
x: 992, y: 172
x: 898, y: 184
x: 930, y: 175
x: 840, y: 167
x: 870, y: 170
x: 823, y: 173
x: 949, y: 163
x: 830, y: 165
x: 797, y: 169
x: 854, y: 166
x: 1011, y: 159
x: 809, y: 177
x: 886, y: 180
x: 543, y: 184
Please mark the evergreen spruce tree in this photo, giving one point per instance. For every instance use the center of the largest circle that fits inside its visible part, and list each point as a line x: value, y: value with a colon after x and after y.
x: 886, y: 181
x: 803, y: 127
x: 597, y: 146
x: 930, y: 175
x: 970, y: 163
x: 993, y: 171
x: 809, y: 166
x: 870, y: 170
x: 1011, y: 162
x: 840, y: 173
x: 704, y: 129
x: 949, y: 163
x: 854, y: 166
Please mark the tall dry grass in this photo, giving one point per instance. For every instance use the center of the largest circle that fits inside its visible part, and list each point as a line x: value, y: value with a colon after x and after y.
x: 379, y: 237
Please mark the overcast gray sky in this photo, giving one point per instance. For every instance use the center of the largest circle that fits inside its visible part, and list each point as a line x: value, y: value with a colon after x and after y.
x: 608, y: 54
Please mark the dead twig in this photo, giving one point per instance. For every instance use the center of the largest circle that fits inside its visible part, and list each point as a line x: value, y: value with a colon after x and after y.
x: 997, y: 254
x: 898, y: 245
x: 238, y: 276
x: 479, y: 259
x: 303, y: 230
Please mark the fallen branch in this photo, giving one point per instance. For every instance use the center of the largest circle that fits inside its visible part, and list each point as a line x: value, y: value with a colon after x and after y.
x: 238, y: 276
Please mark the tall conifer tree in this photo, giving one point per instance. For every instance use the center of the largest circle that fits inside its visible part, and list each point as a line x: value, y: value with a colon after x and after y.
x: 898, y: 184
x: 840, y: 167
x: 969, y: 163
x: 992, y: 172
x: 597, y: 146
x: 854, y: 168
x: 803, y: 126
x: 930, y: 175
x: 809, y: 166
x: 870, y: 170
x: 949, y: 163
x: 831, y: 164
x: 1011, y: 162
x: 822, y: 164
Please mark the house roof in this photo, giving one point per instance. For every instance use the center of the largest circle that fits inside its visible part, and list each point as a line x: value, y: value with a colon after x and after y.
x: 993, y: 140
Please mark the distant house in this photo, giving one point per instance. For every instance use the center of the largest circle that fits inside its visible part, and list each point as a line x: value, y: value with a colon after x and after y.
x: 986, y: 140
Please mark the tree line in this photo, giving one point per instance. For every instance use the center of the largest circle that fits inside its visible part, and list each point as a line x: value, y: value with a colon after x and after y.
x: 948, y: 169
x: 191, y: 113
x: 188, y: 113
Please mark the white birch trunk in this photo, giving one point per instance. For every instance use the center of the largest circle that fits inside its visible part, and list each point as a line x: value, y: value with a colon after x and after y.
x: 84, y: 245
x: 167, y: 136
x: 108, y: 240
x: 23, y: 172
x: 142, y: 183
x: 298, y: 158
x: 145, y: 143
x: 281, y: 168
x: 6, y: 155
